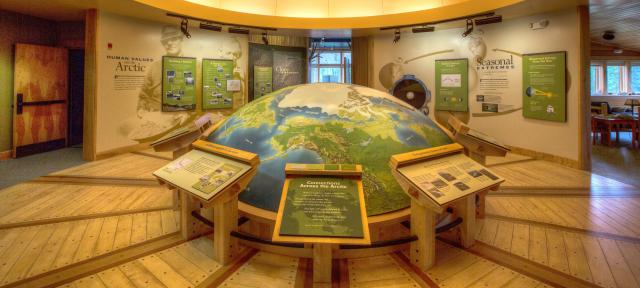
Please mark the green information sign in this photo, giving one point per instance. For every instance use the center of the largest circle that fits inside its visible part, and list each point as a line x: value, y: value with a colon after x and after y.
x: 322, y: 206
x: 544, y: 88
x: 452, y: 85
x: 262, y: 81
x: 178, y: 83
x: 216, y: 75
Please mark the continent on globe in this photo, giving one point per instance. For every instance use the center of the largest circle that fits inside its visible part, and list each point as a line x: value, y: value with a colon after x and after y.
x: 328, y: 123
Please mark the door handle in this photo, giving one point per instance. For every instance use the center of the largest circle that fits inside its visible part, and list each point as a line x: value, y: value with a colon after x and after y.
x: 19, y: 103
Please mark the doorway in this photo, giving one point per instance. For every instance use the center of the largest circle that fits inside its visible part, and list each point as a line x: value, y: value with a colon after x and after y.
x: 48, y: 99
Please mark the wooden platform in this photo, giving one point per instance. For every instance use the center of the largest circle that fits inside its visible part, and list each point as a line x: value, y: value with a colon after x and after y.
x: 107, y: 224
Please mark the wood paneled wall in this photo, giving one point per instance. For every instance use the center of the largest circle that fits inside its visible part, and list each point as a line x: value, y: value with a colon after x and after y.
x: 361, y: 54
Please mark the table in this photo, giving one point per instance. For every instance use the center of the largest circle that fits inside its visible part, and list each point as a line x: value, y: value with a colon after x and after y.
x: 611, y: 122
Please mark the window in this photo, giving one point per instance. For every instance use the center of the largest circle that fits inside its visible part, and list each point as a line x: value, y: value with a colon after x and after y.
x: 615, y: 78
x: 635, y: 79
x: 596, y: 80
x: 330, y: 61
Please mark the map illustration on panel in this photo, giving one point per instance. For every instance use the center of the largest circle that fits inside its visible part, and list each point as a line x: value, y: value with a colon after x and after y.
x: 328, y: 123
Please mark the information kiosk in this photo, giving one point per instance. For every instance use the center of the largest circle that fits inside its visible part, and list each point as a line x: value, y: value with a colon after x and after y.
x: 211, y: 176
x: 436, y: 179
x: 322, y: 205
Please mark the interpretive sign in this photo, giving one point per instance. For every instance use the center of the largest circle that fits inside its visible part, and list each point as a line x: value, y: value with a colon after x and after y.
x: 452, y: 87
x: 321, y: 202
x: 322, y: 206
x: 444, y: 173
x: 201, y: 173
x: 262, y: 81
x: 216, y: 75
x: 544, y: 86
x: 178, y: 83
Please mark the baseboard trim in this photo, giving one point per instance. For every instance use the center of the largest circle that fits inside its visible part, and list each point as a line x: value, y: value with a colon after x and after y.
x: 5, y: 155
x: 121, y: 150
x: 545, y: 156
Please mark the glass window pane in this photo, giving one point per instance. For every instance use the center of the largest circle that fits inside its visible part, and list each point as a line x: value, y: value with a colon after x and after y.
x: 594, y: 80
x: 613, y: 79
x: 635, y: 79
x: 330, y: 58
x: 329, y: 74
x: 313, y: 74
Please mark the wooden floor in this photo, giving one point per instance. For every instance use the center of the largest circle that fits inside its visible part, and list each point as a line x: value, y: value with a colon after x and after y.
x: 109, y: 224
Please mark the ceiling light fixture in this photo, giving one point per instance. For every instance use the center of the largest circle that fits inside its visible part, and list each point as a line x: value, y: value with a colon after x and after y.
x: 184, y: 27
x: 210, y: 26
x: 609, y: 35
x: 396, y: 36
x: 469, y: 28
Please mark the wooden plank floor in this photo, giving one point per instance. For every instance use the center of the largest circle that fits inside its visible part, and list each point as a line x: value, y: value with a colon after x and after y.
x: 603, y: 261
x: 546, y: 175
x: 185, y: 265
x: 29, y: 251
x: 124, y: 166
x: 612, y: 215
x: 33, y: 202
x: 594, y: 239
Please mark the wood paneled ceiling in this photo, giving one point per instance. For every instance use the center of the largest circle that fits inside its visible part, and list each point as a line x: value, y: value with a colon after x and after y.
x: 622, y: 17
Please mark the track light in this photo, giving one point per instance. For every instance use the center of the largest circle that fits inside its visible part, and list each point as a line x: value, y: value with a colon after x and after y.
x: 423, y: 29
x: 488, y: 20
x: 396, y: 36
x: 184, y: 27
x: 469, y: 28
x: 238, y: 30
x: 210, y: 26
x: 265, y: 40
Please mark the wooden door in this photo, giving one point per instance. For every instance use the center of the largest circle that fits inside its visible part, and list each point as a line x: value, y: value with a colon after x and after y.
x: 40, y: 99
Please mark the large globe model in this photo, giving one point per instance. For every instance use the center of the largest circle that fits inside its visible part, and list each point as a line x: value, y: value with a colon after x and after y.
x: 328, y: 123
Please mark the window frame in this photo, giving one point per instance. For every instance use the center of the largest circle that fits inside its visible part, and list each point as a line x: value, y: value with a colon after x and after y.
x: 601, y: 80
x: 342, y: 66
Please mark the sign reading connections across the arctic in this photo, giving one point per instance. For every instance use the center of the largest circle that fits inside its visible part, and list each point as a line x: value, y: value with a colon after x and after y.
x: 178, y: 83
x: 452, y: 86
x: 215, y: 74
x: 322, y: 206
x: 544, y: 88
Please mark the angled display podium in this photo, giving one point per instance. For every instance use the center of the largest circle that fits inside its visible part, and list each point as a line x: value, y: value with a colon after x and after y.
x: 211, y: 176
x: 322, y: 205
x: 179, y: 141
x: 477, y: 144
x: 437, y: 179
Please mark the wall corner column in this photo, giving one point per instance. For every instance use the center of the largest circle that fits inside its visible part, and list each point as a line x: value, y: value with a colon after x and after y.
x: 584, y: 151
x: 90, y: 86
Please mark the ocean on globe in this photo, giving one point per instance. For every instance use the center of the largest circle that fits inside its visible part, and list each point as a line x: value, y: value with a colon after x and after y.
x: 328, y: 123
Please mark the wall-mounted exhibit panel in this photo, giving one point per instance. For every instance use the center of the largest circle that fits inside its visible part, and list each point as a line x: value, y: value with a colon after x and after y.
x: 452, y: 89
x: 288, y: 68
x: 218, y: 84
x: 178, y: 84
x: 544, y: 89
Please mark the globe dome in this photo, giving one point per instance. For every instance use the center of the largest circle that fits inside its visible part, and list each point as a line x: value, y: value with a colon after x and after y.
x: 328, y: 123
